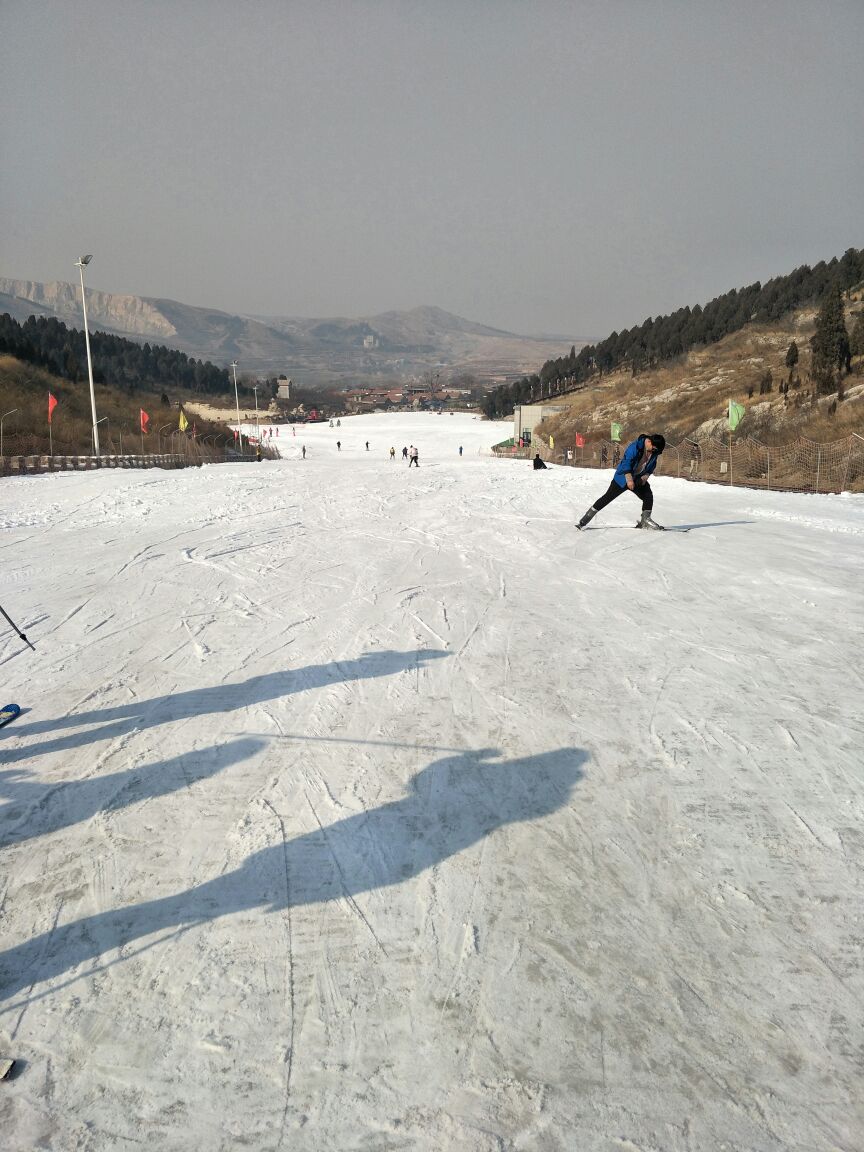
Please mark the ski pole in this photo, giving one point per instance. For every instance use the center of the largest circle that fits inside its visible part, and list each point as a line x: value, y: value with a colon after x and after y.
x: 15, y: 626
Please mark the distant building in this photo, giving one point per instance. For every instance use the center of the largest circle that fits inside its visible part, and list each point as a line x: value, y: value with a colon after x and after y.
x: 368, y: 399
x: 526, y: 417
x: 283, y: 388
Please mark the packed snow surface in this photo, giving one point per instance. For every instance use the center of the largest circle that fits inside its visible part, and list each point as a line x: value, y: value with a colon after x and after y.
x: 355, y: 806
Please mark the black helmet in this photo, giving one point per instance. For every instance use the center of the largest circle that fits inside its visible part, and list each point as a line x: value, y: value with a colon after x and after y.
x: 658, y: 440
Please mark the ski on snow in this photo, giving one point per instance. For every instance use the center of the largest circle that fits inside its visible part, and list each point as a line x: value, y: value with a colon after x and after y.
x: 8, y: 712
x: 653, y: 528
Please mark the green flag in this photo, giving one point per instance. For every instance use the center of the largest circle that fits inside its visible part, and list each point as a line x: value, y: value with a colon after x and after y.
x: 736, y: 415
x: 615, y: 434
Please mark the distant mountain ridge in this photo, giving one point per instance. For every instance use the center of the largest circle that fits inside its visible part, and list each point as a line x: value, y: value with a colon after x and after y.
x: 395, y: 344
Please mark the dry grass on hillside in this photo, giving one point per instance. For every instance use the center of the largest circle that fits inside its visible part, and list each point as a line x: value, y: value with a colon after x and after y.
x: 689, y: 397
x: 25, y: 388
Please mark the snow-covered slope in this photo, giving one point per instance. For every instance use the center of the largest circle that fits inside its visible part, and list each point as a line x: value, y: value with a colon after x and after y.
x: 360, y: 807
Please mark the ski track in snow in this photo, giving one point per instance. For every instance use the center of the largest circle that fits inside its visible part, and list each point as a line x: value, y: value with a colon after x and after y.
x: 360, y: 807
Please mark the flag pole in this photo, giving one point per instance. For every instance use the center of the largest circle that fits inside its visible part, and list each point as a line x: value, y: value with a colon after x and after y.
x: 51, y: 407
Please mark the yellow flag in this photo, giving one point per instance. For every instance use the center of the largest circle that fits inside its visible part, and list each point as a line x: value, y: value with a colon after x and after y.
x: 184, y: 423
x: 551, y: 441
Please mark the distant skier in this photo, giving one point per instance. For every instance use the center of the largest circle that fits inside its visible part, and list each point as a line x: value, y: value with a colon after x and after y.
x: 338, y: 445
x: 303, y: 451
x: 405, y: 454
x: 367, y: 445
x: 638, y: 463
x: 460, y: 446
x: 338, y: 423
x: 414, y: 457
x: 538, y: 463
x: 392, y: 455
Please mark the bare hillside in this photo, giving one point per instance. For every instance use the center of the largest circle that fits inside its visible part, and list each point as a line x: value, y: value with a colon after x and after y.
x: 689, y: 396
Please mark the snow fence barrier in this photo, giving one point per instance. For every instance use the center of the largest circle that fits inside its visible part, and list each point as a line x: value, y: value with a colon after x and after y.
x: 801, y: 465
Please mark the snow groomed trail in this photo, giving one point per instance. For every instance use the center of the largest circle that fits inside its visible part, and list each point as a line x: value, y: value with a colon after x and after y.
x: 360, y: 807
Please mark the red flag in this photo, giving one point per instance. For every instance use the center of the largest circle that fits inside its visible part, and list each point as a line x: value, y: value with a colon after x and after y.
x: 580, y: 440
x: 52, y: 404
x: 145, y: 420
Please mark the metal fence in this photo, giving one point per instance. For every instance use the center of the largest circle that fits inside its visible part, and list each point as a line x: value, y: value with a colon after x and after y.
x: 193, y: 457
x: 24, y: 465
x: 802, y: 465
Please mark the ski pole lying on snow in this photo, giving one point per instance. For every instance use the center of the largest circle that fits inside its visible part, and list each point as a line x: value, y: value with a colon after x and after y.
x: 15, y: 626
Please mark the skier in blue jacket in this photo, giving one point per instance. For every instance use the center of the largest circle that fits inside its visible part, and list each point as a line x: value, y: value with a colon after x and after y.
x: 637, y: 464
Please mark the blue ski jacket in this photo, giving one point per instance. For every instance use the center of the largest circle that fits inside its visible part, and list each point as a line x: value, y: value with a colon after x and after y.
x: 629, y: 461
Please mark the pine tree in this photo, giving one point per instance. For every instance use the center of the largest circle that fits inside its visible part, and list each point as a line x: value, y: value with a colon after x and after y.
x: 856, y: 340
x: 830, y: 341
x: 791, y: 357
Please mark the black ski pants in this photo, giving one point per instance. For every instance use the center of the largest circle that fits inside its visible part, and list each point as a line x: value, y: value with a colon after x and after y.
x: 641, y: 488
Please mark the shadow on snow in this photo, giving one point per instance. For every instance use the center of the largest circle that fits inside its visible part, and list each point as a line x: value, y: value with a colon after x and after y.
x: 453, y: 803
x: 143, y: 714
x: 37, y: 809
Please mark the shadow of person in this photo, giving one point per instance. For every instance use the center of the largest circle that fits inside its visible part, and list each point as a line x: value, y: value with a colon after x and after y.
x: 143, y: 714
x: 45, y: 808
x: 450, y: 805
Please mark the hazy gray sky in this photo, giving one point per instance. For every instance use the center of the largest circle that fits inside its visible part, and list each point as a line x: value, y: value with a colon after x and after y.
x: 538, y: 166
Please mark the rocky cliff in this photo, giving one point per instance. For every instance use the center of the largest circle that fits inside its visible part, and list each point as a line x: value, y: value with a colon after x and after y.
x: 107, y: 311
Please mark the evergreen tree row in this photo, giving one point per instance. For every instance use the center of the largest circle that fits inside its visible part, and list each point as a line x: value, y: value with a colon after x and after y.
x: 49, y: 344
x: 667, y: 337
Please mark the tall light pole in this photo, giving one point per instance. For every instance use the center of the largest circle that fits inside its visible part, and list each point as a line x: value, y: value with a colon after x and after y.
x: 101, y: 420
x: 257, y: 425
x: 2, y: 418
x: 237, y: 402
x: 80, y: 265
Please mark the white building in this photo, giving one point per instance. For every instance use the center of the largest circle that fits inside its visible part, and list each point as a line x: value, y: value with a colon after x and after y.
x: 526, y: 417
